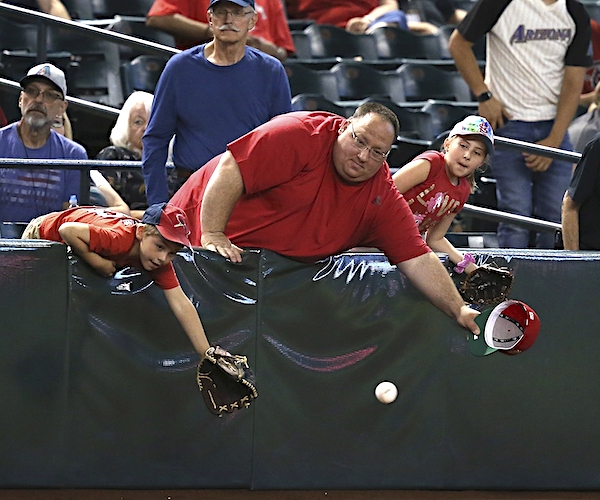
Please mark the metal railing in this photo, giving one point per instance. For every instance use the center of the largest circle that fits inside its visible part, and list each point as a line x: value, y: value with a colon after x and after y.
x: 478, y: 212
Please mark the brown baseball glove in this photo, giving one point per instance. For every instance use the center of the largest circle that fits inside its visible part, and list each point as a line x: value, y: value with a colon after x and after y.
x: 225, y: 381
x: 486, y: 286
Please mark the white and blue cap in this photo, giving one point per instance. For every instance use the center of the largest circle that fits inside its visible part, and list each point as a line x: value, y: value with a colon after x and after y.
x: 47, y: 71
x: 241, y: 3
x: 475, y: 125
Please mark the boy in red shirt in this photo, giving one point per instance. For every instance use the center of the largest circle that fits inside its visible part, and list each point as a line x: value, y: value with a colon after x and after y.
x: 109, y: 240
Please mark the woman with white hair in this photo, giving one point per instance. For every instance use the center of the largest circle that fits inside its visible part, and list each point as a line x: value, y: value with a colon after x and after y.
x: 126, y: 145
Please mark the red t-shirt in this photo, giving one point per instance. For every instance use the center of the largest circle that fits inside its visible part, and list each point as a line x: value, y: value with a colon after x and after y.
x: 112, y: 235
x: 437, y: 197
x: 592, y: 75
x: 295, y: 203
x: 336, y: 12
x: 271, y: 25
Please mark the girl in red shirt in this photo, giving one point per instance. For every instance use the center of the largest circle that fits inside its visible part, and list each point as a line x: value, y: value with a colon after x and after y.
x: 436, y: 184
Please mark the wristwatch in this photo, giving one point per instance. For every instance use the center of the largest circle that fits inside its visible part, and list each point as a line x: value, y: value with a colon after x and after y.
x: 485, y: 96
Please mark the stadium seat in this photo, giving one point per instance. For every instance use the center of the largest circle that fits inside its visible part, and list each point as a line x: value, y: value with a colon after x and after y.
x: 307, y: 81
x: 302, y: 44
x: 422, y: 82
x: 97, y: 77
x: 444, y: 34
x: 142, y: 73
x: 356, y: 80
x: 16, y: 63
x: 299, y: 24
x: 316, y: 102
x: 328, y: 41
x: 393, y: 43
x: 445, y: 115
x: 17, y: 36
x: 404, y: 150
x: 103, y: 9
x: 140, y: 30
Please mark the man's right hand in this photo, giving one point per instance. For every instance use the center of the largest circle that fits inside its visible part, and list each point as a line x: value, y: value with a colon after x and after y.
x: 218, y: 242
x: 494, y: 112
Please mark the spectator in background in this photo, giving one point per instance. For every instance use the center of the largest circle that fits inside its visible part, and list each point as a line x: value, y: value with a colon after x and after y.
x: 126, y: 145
x: 101, y: 192
x: 590, y: 95
x: 27, y: 193
x: 421, y: 16
x: 427, y: 16
x: 3, y: 120
x: 354, y: 16
x: 52, y: 7
x: 581, y: 203
x: 210, y: 95
x: 187, y: 21
x: 531, y: 90
x: 437, y: 184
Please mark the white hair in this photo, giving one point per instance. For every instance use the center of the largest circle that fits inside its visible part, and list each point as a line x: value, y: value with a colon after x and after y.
x: 119, y: 135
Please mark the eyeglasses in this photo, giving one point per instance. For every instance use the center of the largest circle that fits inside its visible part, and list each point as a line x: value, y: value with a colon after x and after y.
x: 362, y: 146
x: 238, y: 14
x: 48, y: 96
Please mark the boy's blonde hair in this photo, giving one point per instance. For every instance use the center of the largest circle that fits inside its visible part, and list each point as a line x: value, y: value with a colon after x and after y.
x: 150, y: 230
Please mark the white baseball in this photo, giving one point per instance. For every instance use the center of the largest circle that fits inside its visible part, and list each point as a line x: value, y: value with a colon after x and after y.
x: 386, y: 392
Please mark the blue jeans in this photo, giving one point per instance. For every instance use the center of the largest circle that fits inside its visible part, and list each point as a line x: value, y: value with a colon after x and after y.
x: 523, y: 192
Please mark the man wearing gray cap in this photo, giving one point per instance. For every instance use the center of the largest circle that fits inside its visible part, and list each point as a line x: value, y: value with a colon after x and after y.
x: 210, y: 95
x: 27, y: 193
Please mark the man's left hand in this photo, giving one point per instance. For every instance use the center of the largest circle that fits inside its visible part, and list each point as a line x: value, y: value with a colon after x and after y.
x: 218, y: 242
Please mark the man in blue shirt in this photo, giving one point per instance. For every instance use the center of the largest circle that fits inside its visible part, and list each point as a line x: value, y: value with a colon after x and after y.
x: 27, y: 193
x: 210, y: 95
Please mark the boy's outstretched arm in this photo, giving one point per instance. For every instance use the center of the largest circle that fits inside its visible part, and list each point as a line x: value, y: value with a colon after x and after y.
x: 187, y: 315
x: 77, y: 236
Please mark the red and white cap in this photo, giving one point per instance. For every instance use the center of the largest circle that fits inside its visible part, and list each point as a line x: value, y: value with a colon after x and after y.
x: 511, y: 327
x: 171, y: 222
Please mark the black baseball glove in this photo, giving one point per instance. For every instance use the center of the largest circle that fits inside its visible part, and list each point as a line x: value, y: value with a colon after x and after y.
x: 225, y: 381
x: 486, y: 286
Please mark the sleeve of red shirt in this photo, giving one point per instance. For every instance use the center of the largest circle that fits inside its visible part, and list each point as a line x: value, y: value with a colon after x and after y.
x: 111, y: 242
x: 165, y: 277
x: 395, y: 232
x: 167, y: 7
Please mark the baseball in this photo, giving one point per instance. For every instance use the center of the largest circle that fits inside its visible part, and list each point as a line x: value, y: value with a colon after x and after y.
x: 386, y: 392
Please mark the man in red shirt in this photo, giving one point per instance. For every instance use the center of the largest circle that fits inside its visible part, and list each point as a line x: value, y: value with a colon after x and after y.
x: 187, y: 21
x: 309, y: 185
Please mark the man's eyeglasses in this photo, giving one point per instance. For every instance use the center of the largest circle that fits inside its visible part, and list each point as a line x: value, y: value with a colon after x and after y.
x: 237, y: 14
x: 362, y: 146
x: 48, y: 96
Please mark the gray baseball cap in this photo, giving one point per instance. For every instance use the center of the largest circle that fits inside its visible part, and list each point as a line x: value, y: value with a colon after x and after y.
x: 48, y: 72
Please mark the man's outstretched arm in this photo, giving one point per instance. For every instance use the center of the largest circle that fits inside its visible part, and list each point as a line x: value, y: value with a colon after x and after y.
x: 429, y: 276
x: 223, y: 190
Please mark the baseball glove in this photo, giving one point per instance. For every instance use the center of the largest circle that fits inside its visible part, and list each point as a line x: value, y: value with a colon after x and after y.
x: 486, y: 286
x: 225, y: 381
